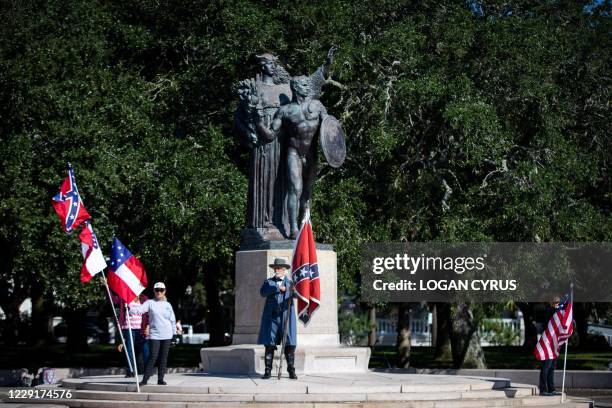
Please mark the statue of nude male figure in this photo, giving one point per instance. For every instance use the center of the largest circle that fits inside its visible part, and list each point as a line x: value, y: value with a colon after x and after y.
x: 300, y: 120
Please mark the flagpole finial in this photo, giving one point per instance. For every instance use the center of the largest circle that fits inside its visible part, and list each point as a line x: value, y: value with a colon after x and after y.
x: 306, y: 215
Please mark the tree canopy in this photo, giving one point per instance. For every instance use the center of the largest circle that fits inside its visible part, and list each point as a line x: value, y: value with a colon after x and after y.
x: 464, y: 121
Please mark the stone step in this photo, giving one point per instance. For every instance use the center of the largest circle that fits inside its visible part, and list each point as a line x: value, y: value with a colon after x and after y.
x: 294, y: 388
x: 317, y: 397
x: 469, y: 403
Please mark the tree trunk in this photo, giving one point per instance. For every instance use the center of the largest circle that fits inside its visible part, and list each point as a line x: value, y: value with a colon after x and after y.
x: 214, y: 312
x: 581, y: 316
x: 434, y: 325
x: 10, y: 303
x: 76, y: 336
x: 372, y: 326
x: 42, y: 314
x: 465, y: 341
x: 403, y: 336
x: 10, y: 333
x: 442, y: 318
x: 531, y: 335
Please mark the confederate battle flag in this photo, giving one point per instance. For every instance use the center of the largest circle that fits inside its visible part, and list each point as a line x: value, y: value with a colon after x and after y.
x: 68, y: 205
x: 305, y: 272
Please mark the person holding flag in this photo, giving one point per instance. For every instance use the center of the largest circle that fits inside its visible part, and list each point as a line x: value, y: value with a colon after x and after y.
x: 162, y: 328
x: 279, y: 300
x: 280, y: 291
x: 137, y: 341
x: 556, y: 333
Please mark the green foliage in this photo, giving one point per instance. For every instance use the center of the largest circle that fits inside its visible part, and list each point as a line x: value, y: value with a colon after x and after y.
x: 460, y: 126
x: 353, y: 328
x: 498, y: 334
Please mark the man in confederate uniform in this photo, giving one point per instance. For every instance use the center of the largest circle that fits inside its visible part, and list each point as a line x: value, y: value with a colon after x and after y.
x: 277, y: 309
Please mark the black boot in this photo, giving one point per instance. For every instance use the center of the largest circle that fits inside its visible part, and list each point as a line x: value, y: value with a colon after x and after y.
x: 268, y: 359
x: 290, y: 357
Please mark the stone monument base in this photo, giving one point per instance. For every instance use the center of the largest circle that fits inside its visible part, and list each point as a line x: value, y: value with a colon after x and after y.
x: 249, y: 359
x: 318, y: 347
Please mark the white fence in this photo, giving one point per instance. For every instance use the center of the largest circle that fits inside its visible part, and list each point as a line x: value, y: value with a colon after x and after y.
x: 420, y: 331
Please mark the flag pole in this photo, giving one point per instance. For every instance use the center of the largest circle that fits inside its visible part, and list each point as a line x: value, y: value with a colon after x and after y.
x: 290, y: 299
x: 110, y: 299
x: 286, y: 326
x: 129, y: 325
x: 566, y: 344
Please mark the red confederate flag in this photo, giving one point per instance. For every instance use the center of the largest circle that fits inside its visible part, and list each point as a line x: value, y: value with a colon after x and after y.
x: 127, y: 276
x: 68, y: 205
x: 94, y: 259
x: 305, y: 272
x: 557, y: 332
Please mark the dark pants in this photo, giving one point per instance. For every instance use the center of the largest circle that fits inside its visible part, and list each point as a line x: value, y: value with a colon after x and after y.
x: 157, y: 349
x: 289, y: 356
x: 547, y: 376
x: 138, y: 346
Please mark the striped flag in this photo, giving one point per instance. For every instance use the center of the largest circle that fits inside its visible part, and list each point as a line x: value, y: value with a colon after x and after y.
x: 557, y: 332
x: 127, y: 276
x: 94, y: 259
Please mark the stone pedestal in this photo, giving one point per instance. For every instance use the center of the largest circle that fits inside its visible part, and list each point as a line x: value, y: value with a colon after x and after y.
x: 318, y: 348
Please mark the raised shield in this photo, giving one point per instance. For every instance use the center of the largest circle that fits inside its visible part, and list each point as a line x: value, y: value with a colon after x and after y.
x: 332, y: 141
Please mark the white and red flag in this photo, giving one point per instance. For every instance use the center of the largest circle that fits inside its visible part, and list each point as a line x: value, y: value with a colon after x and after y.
x: 68, y: 205
x: 558, y: 331
x: 127, y: 276
x: 305, y: 272
x: 94, y: 259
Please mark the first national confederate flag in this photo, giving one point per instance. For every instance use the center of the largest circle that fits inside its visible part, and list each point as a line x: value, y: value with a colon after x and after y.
x: 557, y: 332
x: 127, y: 276
x: 68, y: 205
x: 305, y: 272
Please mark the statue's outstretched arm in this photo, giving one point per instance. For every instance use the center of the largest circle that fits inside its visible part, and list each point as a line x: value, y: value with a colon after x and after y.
x: 328, y: 61
x: 317, y: 80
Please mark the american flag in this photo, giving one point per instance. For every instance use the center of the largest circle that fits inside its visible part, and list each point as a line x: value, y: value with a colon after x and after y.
x: 68, y: 205
x: 558, y: 330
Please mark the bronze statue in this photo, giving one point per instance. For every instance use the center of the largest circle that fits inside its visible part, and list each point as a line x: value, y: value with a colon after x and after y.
x: 266, y: 193
x: 283, y: 167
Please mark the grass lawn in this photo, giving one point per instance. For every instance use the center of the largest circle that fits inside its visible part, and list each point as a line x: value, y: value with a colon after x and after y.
x: 188, y: 355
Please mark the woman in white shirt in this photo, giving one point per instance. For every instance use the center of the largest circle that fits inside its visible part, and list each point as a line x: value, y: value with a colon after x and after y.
x: 162, y: 327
